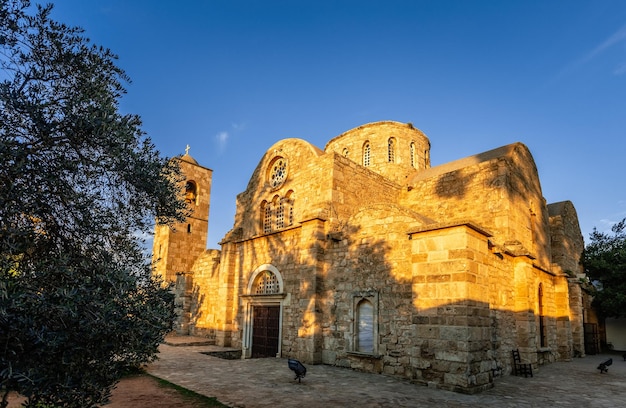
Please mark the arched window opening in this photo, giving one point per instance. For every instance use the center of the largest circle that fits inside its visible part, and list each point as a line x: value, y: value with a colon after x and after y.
x: 391, y: 150
x: 280, y: 214
x: 365, y: 327
x: 345, y: 152
x: 188, y: 228
x: 542, y: 326
x: 266, y: 283
x: 191, y: 192
x: 366, y: 154
x: 266, y: 217
x: 412, y: 151
x: 289, y: 204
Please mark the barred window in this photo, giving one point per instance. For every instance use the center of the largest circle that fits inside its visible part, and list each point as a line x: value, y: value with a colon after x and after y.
x: 366, y: 154
x: 280, y: 215
x: 289, y: 207
x: 266, y: 284
x: 412, y: 148
x: 267, y: 218
x: 391, y: 151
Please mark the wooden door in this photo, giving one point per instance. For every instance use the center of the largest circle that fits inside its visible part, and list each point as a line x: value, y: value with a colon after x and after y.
x: 592, y: 338
x: 265, y: 329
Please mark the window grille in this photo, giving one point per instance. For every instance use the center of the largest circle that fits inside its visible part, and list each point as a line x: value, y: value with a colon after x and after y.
x: 267, y: 283
x: 412, y: 154
x: 391, y: 153
x: 280, y: 215
x: 366, y: 155
x: 267, y: 219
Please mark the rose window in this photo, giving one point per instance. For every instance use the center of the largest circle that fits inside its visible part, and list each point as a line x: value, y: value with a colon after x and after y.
x: 278, y: 173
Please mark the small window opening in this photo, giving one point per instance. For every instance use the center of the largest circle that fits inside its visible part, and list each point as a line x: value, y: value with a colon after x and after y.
x: 366, y: 154
x: 391, y: 151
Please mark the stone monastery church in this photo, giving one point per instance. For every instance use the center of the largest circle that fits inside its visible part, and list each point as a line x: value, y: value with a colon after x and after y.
x: 362, y: 255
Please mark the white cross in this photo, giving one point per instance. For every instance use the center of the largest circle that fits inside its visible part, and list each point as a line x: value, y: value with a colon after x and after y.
x: 187, y: 149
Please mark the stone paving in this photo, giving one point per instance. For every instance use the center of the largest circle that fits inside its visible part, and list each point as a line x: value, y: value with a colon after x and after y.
x: 268, y: 382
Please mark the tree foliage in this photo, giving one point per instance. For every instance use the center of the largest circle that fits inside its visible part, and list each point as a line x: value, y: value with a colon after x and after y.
x: 604, y: 260
x: 79, y: 184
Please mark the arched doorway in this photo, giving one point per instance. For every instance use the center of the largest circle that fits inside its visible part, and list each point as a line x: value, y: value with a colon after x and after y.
x: 263, y: 313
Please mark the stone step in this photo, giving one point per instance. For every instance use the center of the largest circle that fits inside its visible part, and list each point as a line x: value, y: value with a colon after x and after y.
x: 186, y: 341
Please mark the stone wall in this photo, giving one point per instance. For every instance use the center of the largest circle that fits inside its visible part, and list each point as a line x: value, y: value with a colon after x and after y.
x: 498, y: 190
x: 373, y: 257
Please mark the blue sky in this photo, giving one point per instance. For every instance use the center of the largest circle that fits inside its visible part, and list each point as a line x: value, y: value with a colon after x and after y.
x: 230, y: 78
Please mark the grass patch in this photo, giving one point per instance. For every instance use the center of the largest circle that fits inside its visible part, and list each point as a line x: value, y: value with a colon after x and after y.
x: 189, y: 395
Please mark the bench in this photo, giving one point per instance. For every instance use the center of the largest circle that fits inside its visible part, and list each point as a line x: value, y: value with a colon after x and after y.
x: 520, y: 368
x: 603, y: 365
x: 297, y: 368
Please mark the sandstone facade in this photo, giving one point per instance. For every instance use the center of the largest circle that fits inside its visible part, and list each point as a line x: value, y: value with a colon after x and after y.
x: 362, y: 255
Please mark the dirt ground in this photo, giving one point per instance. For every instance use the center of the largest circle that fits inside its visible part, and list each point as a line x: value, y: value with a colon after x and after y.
x: 142, y: 391
x: 145, y: 391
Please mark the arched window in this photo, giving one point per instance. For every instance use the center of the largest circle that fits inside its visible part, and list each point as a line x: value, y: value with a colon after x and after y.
x: 277, y: 214
x: 412, y: 148
x: 280, y: 214
x: 266, y: 283
x: 191, y: 192
x: 542, y: 326
x: 366, y: 154
x: 345, y: 152
x: 266, y: 217
x: 391, y: 150
x: 289, y: 207
x: 365, y: 327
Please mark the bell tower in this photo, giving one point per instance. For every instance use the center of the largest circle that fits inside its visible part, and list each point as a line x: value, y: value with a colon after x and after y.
x: 176, y: 248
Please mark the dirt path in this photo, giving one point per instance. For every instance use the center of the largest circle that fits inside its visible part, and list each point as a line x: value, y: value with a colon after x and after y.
x: 143, y: 391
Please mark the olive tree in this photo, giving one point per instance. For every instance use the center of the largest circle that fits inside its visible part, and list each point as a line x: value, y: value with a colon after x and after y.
x: 80, y: 184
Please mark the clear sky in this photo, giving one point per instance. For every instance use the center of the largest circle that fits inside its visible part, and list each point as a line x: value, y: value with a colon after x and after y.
x: 230, y: 78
